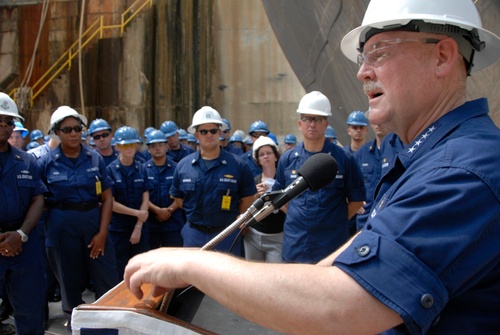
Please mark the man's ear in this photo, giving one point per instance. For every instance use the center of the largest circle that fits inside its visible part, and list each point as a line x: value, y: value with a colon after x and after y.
x: 447, y: 56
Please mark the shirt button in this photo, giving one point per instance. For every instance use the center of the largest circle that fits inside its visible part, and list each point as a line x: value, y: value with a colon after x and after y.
x: 363, y: 251
x: 427, y: 300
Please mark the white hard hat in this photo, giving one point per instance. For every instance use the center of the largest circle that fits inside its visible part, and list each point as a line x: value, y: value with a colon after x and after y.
x: 394, y: 14
x: 205, y: 115
x: 259, y: 143
x: 315, y: 103
x: 61, y: 113
x: 8, y: 107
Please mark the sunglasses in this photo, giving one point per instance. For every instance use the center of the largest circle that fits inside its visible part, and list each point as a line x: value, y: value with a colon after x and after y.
x: 67, y: 130
x: 206, y: 131
x: 8, y: 122
x: 126, y: 146
x: 98, y: 137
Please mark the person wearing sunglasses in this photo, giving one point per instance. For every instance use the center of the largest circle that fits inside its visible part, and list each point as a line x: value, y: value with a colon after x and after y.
x: 176, y: 149
x: 79, y: 205
x: 21, y: 205
x: 101, y: 135
x: 212, y: 185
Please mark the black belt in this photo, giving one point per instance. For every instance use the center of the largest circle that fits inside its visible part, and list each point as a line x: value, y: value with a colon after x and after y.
x: 205, y: 229
x: 84, y: 206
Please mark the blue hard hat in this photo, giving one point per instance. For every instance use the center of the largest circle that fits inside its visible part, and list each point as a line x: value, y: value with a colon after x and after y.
x: 330, y: 132
x: 147, y: 131
x: 226, y: 121
x: 46, y: 138
x: 273, y: 137
x: 259, y: 126
x: 357, y: 118
x: 290, y: 139
x: 235, y: 138
x: 98, y: 125
x: 191, y: 138
x: 126, y: 135
x: 32, y: 145
x: 20, y: 128
x: 169, y: 128
x: 183, y: 135
x: 84, y: 136
x: 36, y: 134
x: 91, y: 142
x: 156, y: 136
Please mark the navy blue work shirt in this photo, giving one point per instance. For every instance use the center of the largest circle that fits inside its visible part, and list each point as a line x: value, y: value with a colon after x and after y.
x: 73, y: 181
x: 202, y: 191
x: 160, y: 178
x: 316, y: 223
x: 430, y: 249
x: 20, y: 180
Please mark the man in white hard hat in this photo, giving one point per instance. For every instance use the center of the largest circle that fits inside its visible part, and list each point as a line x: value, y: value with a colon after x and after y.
x: 212, y: 185
x: 21, y: 205
x: 317, y: 223
x: 427, y: 261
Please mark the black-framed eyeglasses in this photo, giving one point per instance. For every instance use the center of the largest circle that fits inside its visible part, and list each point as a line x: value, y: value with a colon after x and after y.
x: 8, y: 122
x: 67, y: 130
x: 310, y: 119
x: 98, y: 137
x: 206, y: 131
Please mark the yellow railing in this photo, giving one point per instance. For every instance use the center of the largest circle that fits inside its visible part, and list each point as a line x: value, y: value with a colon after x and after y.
x: 96, y: 29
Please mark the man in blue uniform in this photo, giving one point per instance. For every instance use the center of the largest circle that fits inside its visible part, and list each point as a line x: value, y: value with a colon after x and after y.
x: 427, y: 260
x: 317, y: 222
x: 357, y: 129
x: 21, y: 205
x: 256, y: 130
x: 369, y: 159
x: 176, y: 150
x: 224, y: 140
x: 212, y: 185
x: 165, y: 217
x: 101, y: 134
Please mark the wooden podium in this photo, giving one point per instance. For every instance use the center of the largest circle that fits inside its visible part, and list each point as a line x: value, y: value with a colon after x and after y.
x: 119, y: 312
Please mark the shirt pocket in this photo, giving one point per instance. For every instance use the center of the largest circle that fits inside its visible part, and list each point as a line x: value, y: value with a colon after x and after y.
x: 57, y: 178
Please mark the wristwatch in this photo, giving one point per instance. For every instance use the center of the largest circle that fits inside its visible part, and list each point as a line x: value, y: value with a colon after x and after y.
x: 24, y: 237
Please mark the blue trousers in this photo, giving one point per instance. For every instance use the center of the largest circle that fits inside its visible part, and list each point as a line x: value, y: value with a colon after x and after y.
x: 196, y: 238
x: 68, y: 233
x: 24, y: 280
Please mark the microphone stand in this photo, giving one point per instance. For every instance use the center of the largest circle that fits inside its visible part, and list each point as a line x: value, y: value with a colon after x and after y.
x: 261, y: 204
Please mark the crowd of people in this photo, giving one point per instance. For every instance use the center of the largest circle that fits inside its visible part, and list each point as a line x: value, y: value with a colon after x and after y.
x: 83, y: 201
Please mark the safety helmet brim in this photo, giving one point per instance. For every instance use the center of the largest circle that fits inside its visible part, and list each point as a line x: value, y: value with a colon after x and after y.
x: 350, y: 44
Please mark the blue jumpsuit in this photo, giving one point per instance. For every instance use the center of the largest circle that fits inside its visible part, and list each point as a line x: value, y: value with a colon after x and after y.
x: 177, y: 155
x: 248, y: 158
x: 69, y: 230
x: 129, y: 185
x: 168, y: 233
x: 203, y: 192
x: 368, y: 158
x: 316, y: 223
x: 430, y: 249
x: 23, y: 275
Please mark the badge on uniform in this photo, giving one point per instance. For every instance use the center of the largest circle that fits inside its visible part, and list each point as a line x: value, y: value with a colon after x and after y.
x: 226, y: 202
x: 98, y: 187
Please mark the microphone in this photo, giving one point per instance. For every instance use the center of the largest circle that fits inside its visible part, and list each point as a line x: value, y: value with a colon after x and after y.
x: 316, y: 172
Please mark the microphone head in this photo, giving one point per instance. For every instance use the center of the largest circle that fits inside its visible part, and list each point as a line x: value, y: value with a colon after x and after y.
x: 318, y: 170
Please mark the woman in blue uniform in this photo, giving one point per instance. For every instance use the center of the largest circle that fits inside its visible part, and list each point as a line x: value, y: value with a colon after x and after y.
x: 79, y: 205
x: 128, y: 229
x: 166, y: 218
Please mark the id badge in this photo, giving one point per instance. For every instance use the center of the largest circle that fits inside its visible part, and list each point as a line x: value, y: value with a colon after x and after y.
x: 98, y: 187
x: 226, y: 202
